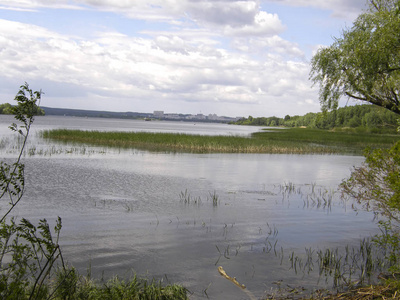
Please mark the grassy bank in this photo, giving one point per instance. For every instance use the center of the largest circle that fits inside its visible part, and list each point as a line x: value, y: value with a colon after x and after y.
x: 294, y: 140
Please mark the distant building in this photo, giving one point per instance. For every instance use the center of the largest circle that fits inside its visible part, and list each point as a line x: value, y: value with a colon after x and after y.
x: 212, y: 117
x: 200, y: 117
x: 159, y: 114
x: 172, y: 116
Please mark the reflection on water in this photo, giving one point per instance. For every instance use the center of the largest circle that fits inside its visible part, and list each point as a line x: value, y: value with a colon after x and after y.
x: 122, y: 212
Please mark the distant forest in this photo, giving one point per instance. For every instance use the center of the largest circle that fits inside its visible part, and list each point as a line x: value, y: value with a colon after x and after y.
x: 368, y: 116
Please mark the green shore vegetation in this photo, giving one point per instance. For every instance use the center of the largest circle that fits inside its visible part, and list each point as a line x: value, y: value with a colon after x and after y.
x: 366, y: 116
x: 292, y: 140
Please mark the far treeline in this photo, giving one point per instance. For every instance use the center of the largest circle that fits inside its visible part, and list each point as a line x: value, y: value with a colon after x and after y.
x: 8, y: 109
x: 367, y: 116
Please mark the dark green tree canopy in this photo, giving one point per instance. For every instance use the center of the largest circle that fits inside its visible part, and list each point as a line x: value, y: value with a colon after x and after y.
x: 364, y: 63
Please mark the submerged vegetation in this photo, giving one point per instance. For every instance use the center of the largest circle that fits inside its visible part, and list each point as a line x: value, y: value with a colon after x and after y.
x: 294, y: 141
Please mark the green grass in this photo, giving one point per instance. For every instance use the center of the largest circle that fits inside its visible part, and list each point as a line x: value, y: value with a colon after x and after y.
x: 342, y: 141
x: 293, y: 140
x: 68, y: 284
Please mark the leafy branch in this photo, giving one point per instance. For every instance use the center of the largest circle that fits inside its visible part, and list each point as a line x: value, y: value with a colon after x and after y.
x: 27, y: 253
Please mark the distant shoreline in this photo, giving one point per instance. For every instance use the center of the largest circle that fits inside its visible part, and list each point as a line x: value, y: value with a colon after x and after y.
x: 133, y: 115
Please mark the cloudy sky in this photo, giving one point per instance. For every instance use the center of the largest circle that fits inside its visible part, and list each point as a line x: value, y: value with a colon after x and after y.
x: 232, y: 58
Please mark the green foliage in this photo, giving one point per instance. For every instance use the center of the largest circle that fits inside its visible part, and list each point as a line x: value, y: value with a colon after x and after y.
x: 389, y: 242
x: 27, y: 104
x: 363, y: 63
x: 6, y: 109
x: 365, y: 116
x: 73, y: 286
x: 27, y: 252
x: 270, y: 121
x: 376, y: 184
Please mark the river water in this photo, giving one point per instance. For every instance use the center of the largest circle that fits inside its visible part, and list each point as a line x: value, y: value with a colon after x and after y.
x: 153, y: 214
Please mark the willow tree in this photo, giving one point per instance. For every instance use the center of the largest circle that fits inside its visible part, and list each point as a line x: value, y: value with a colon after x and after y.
x: 364, y: 63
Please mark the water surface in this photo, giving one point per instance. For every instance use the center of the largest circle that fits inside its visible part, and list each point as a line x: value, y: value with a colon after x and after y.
x: 122, y: 210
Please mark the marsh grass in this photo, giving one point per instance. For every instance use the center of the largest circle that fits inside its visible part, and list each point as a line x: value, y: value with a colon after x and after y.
x: 346, y: 271
x: 313, y: 197
x: 294, y: 141
x: 50, y: 151
x: 214, y: 198
x: 187, y: 199
x: 330, y: 140
x: 71, y: 285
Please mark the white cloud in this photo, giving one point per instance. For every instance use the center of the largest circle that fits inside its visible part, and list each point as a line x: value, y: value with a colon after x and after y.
x: 166, y: 69
x: 266, y: 46
x: 171, y: 43
x: 233, y: 13
x: 32, y: 5
x: 10, y: 29
x: 262, y: 24
x: 230, y: 17
x: 17, y: 9
x: 225, y: 56
x: 344, y: 9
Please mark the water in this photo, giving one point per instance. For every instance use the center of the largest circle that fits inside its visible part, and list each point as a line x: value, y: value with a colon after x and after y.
x: 122, y: 211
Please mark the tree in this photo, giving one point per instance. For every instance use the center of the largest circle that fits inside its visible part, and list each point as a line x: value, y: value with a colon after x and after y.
x: 6, y: 109
x: 376, y: 184
x: 364, y: 63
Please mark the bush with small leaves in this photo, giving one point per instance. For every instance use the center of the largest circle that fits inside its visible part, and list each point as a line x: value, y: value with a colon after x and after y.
x: 28, y: 253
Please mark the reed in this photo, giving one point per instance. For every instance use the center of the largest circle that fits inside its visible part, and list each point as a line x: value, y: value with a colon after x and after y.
x: 294, y: 141
x: 187, y: 199
x: 215, y: 198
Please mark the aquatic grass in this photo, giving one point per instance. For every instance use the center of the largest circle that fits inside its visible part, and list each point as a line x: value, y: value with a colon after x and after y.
x: 293, y: 141
x: 215, y: 198
x: 342, y: 268
x: 71, y: 285
x: 187, y: 199
x: 311, y: 195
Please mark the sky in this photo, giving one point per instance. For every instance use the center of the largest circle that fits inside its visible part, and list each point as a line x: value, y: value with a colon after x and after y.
x: 225, y: 57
